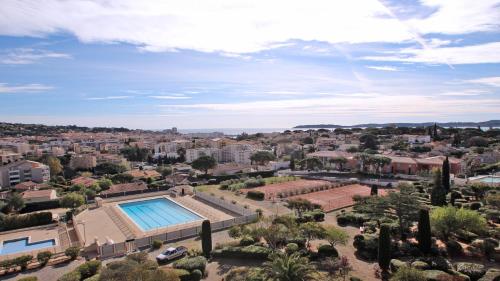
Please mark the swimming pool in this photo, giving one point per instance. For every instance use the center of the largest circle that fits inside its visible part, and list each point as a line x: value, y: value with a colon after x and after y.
x: 23, y: 245
x: 156, y: 213
x: 490, y: 179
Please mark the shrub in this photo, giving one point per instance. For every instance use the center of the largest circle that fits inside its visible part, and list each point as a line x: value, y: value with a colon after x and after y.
x: 183, y: 274
x: 255, y: 195
x: 44, y: 257
x: 475, y: 206
x: 29, y: 278
x: 291, y: 248
x: 327, y: 251
x: 89, y: 269
x: 454, y: 248
x: 191, y: 263
x: 248, y: 252
x: 23, y: 261
x: 156, y: 244
x: 246, y: 241
x: 408, y: 274
x: 72, y: 252
x: 70, y: 276
x: 196, y: 275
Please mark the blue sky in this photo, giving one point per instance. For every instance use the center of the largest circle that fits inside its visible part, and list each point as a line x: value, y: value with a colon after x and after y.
x: 233, y: 63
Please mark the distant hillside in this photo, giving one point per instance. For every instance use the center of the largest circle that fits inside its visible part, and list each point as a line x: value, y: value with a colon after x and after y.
x: 14, y: 129
x: 491, y: 123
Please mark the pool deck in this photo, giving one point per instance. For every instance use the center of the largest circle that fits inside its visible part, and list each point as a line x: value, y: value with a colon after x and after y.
x: 35, y: 235
x: 109, y: 221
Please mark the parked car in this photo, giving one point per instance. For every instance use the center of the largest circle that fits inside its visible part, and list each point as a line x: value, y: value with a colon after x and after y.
x: 172, y: 253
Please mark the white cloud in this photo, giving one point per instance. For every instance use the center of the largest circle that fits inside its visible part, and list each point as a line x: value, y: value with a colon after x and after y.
x: 29, y: 56
x: 490, y: 81
x: 483, y: 53
x: 110, y: 98
x: 240, y: 26
x: 27, y: 88
x: 383, y: 68
x: 171, y: 97
x: 464, y: 93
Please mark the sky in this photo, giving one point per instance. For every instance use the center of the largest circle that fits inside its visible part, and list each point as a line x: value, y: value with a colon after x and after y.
x: 248, y: 63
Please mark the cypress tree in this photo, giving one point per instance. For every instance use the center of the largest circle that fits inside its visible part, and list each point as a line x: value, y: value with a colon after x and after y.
x: 292, y: 163
x: 374, y: 190
x: 438, y: 193
x: 434, y: 132
x: 384, y: 248
x: 446, y: 174
x: 424, y: 232
x: 206, y: 238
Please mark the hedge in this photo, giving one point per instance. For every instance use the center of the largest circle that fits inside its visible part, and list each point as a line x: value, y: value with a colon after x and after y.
x: 39, y: 206
x: 21, y: 261
x: 248, y: 252
x: 11, y: 222
x: 191, y: 263
x: 256, y: 195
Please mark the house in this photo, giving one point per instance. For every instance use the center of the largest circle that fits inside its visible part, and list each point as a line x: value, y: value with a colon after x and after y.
x: 29, y: 185
x: 125, y: 188
x: 326, y: 158
x: 21, y: 171
x: 436, y: 162
x: 401, y: 165
x: 85, y: 181
x: 31, y: 196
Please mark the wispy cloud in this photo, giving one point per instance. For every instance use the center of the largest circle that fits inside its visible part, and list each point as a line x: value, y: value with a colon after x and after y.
x: 29, y: 56
x: 171, y: 97
x: 490, y: 81
x: 383, y: 68
x: 465, y: 93
x: 109, y: 98
x: 27, y: 88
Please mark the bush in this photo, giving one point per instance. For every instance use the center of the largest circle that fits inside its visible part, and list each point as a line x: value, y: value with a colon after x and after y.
x: 246, y: 241
x: 327, y: 251
x: 475, y: 206
x: 196, y: 275
x: 11, y: 222
x: 183, y: 274
x: 473, y: 270
x: 255, y: 195
x: 248, y: 252
x: 72, y: 252
x: 156, y: 244
x: 408, y: 274
x: 70, y: 276
x: 29, y: 278
x: 89, y: 269
x: 44, y: 257
x: 291, y: 248
x: 191, y: 263
x: 317, y: 215
x: 23, y: 261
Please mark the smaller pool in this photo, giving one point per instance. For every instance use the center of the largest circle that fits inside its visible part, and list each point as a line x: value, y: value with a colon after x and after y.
x: 490, y: 179
x: 23, y: 245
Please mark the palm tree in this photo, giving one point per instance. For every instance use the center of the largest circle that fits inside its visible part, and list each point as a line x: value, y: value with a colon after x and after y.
x: 293, y: 267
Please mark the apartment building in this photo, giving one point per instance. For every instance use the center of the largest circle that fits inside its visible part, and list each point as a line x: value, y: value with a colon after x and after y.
x: 7, y: 157
x: 83, y: 161
x: 21, y: 171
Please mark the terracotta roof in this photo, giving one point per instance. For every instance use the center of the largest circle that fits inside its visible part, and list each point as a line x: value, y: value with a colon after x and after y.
x: 400, y: 159
x: 85, y: 181
x: 25, y: 185
x: 126, y: 187
x: 38, y: 193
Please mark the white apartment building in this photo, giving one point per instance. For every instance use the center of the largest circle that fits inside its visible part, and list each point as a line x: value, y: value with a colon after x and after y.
x: 195, y: 153
x: 7, y: 157
x: 233, y: 153
x: 21, y: 171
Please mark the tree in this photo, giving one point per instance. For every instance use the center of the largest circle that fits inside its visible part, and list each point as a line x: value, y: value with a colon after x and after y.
x: 72, y: 201
x: 448, y: 220
x: 105, y: 184
x: 15, y: 203
x: 165, y: 171
x: 368, y: 141
x: 262, y: 157
x: 109, y: 168
x: 438, y: 193
x: 405, y: 207
x: 446, y: 174
x: 312, y: 230
x: 135, y: 153
x: 335, y: 235
x: 293, y: 267
x: 206, y: 238
x: 424, y: 232
x: 300, y: 205
x: 204, y: 163
x: 339, y: 162
x: 380, y: 162
x: 274, y: 234
x: 384, y: 248
x: 54, y: 165
x: 477, y: 141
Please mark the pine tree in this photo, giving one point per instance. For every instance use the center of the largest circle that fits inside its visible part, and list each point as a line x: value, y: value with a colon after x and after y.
x: 384, y: 248
x: 424, y: 232
x: 446, y: 174
x: 438, y: 193
x: 206, y: 238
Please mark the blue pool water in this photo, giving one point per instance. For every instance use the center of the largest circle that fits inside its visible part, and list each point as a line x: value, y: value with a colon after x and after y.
x: 156, y: 213
x: 490, y: 179
x: 22, y: 245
